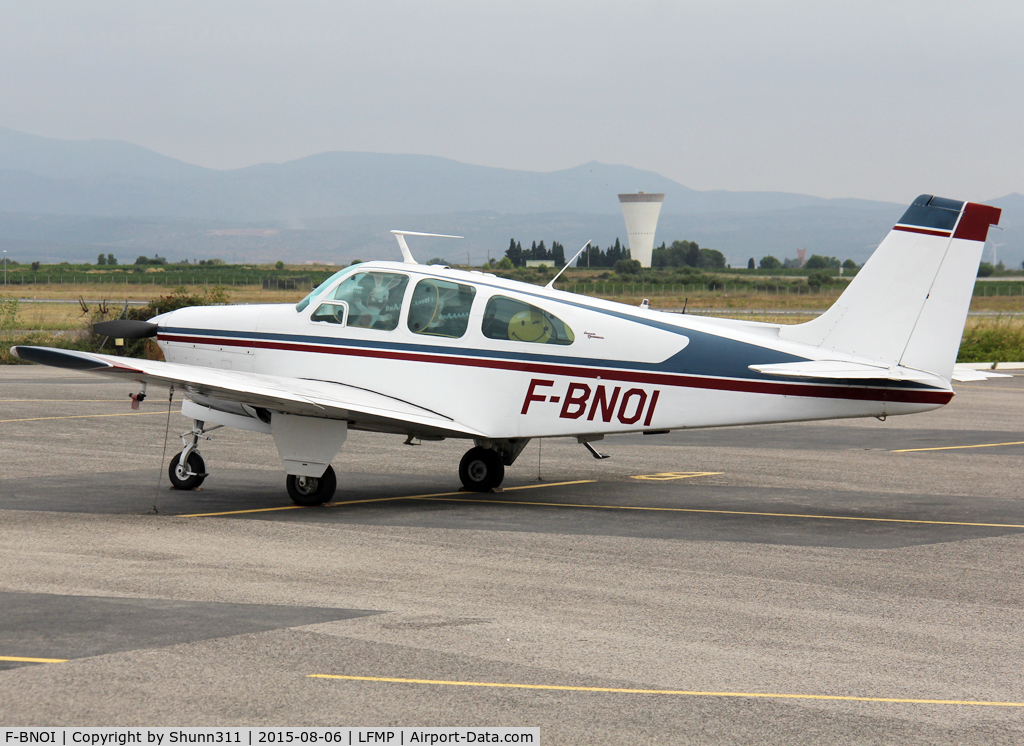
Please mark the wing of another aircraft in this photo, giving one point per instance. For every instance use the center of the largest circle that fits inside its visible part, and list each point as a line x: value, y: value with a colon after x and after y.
x: 296, y: 396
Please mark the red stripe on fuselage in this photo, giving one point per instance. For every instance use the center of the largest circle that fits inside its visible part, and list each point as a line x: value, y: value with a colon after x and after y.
x: 822, y: 391
x: 925, y: 231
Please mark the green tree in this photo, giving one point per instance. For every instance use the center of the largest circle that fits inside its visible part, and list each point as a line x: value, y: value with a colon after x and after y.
x: 615, y: 254
x: 279, y: 264
x: 710, y: 259
x: 849, y: 264
x: 111, y: 259
x: 985, y: 269
x: 514, y: 253
x: 770, y: 262
x: 101, y: 259
x: 558, y: 254
x: 750, y: 263
x: 505, y: 263
x: 817, y: 261
x: 142, y: 260
x: 679, y: 254
x: 628, y: 266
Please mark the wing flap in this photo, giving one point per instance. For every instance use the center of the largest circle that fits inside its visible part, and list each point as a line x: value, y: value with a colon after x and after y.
x: 288, y: 395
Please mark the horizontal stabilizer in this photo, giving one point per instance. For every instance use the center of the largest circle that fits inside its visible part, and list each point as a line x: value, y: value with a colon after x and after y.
x: 964, y: 374
x: 845, y: 369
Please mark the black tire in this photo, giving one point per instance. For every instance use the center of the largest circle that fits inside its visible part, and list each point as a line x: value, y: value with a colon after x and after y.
x: 180, y: 481
x: 481, y: 470
x: 310, y: 491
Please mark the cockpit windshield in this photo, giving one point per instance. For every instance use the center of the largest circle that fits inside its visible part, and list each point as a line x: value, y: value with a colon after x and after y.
x: 319, y: 289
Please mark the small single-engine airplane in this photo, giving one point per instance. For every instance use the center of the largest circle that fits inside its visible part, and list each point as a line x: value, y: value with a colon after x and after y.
x: 430, y: 352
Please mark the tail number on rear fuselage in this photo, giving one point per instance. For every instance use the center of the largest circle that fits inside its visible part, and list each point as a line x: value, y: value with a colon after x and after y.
x: 596, y: 400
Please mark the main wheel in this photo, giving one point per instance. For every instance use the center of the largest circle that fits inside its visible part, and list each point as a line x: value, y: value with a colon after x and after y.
x: 180, y: 477
x: 310, y: 491
x: 481, y: 469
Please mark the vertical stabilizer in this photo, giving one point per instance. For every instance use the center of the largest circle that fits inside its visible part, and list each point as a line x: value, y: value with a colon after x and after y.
x: 908, y: 304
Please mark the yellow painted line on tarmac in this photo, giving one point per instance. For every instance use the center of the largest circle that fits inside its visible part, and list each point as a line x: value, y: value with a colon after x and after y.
x: 954, y: 448
x: 304, y: 507
x: 22, y: 401
x: 460, y: 497
x: 668, y: 476
x: 434, y: 495
x: 18, y: 659
x: 671, y: 692
x: 720, y: 512
x: 83, y: 416
x: 538, y: 486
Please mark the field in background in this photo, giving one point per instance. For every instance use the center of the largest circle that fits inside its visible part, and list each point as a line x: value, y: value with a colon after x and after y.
x: 998, y: 335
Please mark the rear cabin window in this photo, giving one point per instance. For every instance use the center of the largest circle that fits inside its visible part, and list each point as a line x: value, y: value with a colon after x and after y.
x: 374, y: 301
x: 507, y: 318
x: 440, y: 308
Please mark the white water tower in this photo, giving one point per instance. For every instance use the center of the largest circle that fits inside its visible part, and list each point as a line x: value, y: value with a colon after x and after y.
x: 641, y: 212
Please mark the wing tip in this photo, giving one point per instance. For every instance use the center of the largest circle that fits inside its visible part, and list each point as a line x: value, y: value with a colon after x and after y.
x: 56, y: 358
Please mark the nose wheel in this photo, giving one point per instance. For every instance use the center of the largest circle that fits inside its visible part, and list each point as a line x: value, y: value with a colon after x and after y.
x: 187, y: 470
x: 310, y: 491
x: 481, y: 469
x: 187, y: 473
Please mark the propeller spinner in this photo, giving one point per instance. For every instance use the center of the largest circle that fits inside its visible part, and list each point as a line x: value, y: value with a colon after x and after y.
x: 125, y: 329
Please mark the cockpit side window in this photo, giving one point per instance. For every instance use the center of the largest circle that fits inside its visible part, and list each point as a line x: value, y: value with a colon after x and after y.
x: 319, y: 289
x: 374, y: 301
x: 440, y: 308
x: 507, y: 318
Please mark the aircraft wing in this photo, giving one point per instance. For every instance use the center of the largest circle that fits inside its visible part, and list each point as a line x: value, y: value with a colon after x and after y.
x: 297, y: 396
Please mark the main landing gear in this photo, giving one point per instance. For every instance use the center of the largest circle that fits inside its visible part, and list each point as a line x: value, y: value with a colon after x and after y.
x: 310, y: 491
x: 482, y: 469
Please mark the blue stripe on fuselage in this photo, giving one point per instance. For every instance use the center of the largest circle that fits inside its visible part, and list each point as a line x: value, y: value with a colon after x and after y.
x: 706, y: 355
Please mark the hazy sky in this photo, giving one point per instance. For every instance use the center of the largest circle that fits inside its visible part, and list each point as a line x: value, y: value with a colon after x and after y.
x: 880, y: 100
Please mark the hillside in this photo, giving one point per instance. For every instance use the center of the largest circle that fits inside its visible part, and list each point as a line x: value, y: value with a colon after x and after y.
x: 62, y: 199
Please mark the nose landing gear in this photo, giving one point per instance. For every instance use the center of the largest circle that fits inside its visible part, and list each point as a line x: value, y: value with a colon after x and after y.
x: 187, y: 475
x: 187, y: 470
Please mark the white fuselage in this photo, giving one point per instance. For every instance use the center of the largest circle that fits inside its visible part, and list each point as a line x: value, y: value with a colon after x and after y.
x: 625, y: 368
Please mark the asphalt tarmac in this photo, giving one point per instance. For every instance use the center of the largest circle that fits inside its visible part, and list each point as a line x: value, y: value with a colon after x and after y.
x: 844, y: 582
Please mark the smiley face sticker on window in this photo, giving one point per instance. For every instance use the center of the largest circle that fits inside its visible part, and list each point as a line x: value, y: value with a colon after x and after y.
x: 530, y: 326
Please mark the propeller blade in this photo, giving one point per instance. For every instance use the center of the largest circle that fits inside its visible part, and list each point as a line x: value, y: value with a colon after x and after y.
x: 125, y: 329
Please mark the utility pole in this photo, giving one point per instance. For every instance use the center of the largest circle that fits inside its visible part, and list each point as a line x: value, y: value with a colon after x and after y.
x: 5, y: 266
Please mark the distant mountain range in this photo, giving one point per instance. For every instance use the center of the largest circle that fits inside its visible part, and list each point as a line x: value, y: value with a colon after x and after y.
x: 62, y: 199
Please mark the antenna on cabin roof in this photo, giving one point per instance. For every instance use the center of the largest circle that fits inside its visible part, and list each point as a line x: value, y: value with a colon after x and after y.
x: 566, y: 266
x: 406, y: 254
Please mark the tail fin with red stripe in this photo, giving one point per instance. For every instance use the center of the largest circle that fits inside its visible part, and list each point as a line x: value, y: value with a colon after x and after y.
x: 908, y: 304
